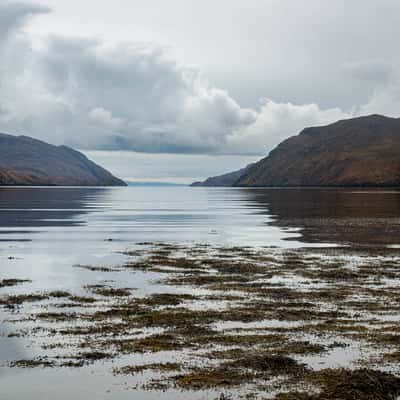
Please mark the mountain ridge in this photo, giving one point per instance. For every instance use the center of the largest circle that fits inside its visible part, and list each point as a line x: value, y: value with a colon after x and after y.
x: 227, y: 179
x: 354, y: 152
x: 360, y: 151
x: 28, y: 161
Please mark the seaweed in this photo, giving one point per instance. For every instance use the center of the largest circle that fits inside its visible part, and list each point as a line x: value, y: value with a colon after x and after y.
x: 12, y: 282
x: 232, y: 317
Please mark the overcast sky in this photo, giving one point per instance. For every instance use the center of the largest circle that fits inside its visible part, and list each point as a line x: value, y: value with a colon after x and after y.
x: 211, y: 83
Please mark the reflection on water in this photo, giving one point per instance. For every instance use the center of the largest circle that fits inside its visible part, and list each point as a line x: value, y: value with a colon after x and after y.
x: 32, y: 207
x: 238, y: 216
x: 90, y: 216
x: 341, y: 216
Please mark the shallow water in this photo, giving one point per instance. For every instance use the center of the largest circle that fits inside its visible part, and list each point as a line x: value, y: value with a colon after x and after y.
x: 44, y: 232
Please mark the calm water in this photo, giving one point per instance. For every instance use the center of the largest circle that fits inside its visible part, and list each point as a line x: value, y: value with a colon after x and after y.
x: 45, y: 231
x: 81, y: 219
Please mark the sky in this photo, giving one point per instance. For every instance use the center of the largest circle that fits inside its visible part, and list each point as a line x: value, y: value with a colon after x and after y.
x: 179, y: 90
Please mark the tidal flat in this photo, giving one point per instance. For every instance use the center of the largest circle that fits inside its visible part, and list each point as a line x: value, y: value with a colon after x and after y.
x: 222, y: 322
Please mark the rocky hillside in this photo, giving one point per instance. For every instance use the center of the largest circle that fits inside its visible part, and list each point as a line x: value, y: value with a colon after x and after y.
x: 223, y: 180
x: 362, y: 151
x: 27, y: 161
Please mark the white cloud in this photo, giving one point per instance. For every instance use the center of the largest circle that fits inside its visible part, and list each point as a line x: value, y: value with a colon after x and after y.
x: 90, y: 95
x: 105, y: 118
x: 385, y: 100
x: 87, y: 94
x: 277, y: 121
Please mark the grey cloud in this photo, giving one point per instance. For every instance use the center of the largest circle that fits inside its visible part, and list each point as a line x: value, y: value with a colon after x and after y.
x: 378, y: 72
x: 88, y: 94
x: 126, y: 96
x: 13, y: 15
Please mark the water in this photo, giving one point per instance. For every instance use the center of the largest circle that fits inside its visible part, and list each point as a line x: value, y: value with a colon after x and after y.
x: 86, y: 217
x: 46, y: 231
x: 43, y: 231
x: 129, y: 215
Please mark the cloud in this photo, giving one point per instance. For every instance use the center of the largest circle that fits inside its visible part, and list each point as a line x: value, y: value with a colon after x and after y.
x: 14, y: 15
x: 277, y: 121
x: 378, y: 72
x: 385, y: 100
x: 385, y: 80
x: 181, y: 168
x: 88, y: 94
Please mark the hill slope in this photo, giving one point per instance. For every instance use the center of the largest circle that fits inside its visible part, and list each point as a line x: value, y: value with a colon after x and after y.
x: 27, y: 161
x: 362, y: 151
x: 223, y: 180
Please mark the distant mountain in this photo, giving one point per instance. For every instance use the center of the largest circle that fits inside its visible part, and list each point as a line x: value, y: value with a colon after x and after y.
x: 223, y: 180
x: 27, y: 161
x: 361, y: 151
x: 154, y: 184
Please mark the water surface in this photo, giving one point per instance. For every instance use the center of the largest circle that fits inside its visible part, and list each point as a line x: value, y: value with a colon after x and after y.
x: 44, y: 232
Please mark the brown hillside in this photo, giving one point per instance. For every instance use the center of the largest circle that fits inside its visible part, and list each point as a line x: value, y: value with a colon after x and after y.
x: 27, y: 161
x: 362, y: 151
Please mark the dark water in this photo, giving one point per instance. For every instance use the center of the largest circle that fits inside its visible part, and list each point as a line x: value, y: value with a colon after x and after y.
x: 339, y: 216
x: 45, y: 231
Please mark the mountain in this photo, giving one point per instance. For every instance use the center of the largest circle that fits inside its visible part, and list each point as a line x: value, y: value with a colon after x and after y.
x: 361, y: 151
x: 27, y: 161
x: 223, y: 180
x: 155, y: 184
